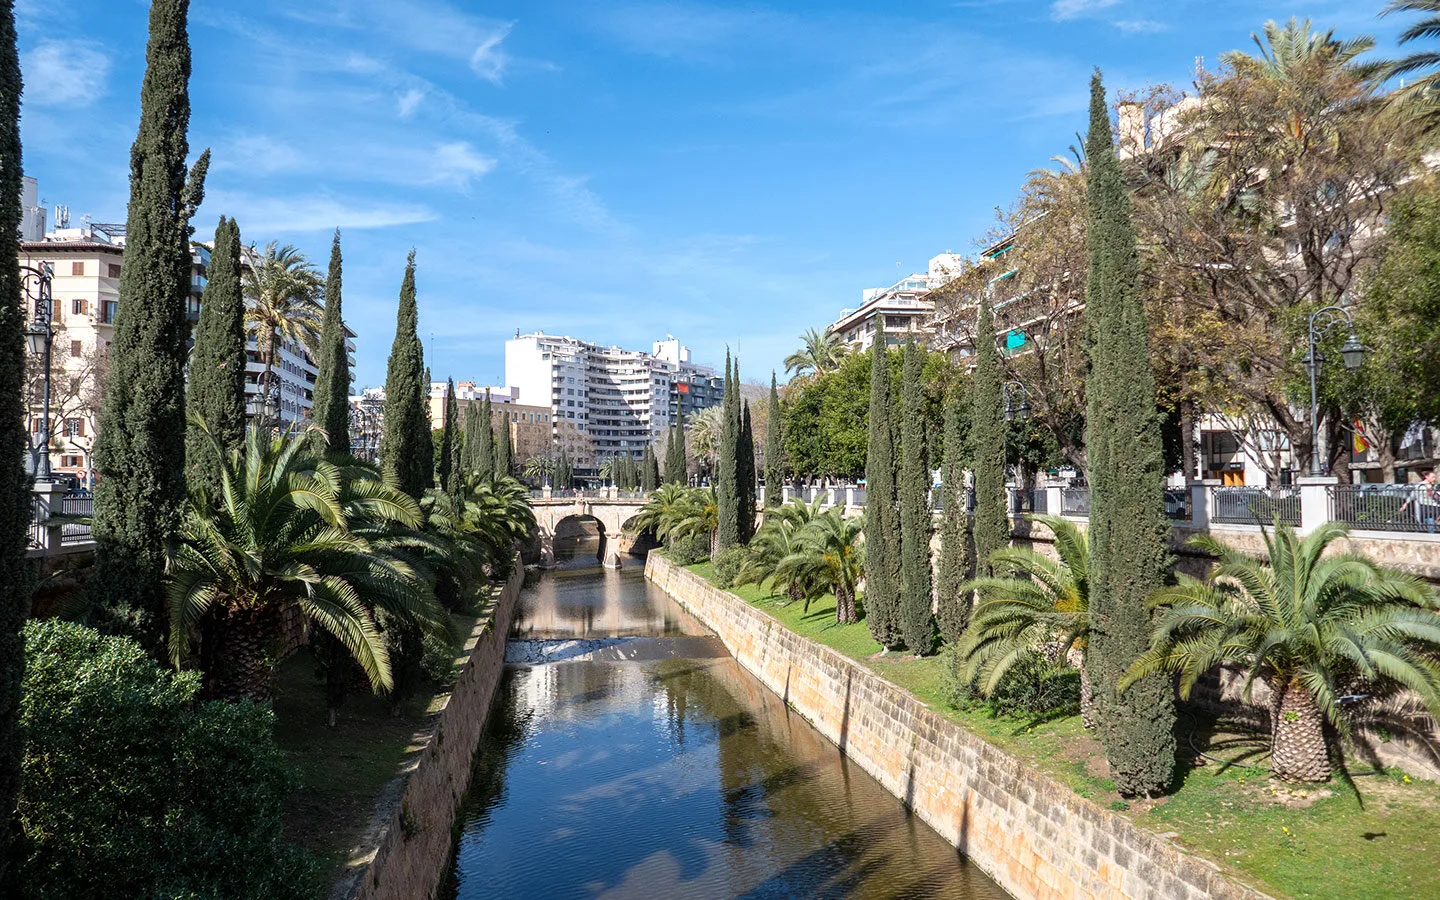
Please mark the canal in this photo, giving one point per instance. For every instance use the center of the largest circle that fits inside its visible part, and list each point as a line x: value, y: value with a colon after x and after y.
x: 628, y: 755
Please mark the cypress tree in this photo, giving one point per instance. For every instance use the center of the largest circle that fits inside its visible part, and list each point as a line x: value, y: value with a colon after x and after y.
x: 1128, y: 529
x: 675, y: 454
x: 140, y: 447
x: 564, y: 472
x: 917, y: 624
x: 16, y: 573
x: 987, y: 438
x: 485, y: 452
x: 331, y: 412
x: 449, y: 466
x: 727, y: 465
x: 406, y: 451
x: 746, y: 455
x: 650, y: 476
x: 216, y: 392
x: 504, y: 450
x: 467, y: 440
x: 956, y: 561
x: 882, y: 525
x: 774, y: 454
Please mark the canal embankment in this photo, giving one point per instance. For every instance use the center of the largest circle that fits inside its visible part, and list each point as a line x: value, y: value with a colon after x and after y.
x: 1035, y: 836
x: 406, y: 849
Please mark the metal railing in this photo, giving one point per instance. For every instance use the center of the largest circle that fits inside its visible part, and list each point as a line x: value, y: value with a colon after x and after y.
x: 73, y: 506
x: 1075, y: 501
x: 1177, y: 504
x: 1255, y: 506
x: 1384, y: 507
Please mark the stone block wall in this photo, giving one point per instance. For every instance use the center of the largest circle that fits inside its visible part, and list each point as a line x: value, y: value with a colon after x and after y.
x: 406, y: 850
x: 1033, y: 835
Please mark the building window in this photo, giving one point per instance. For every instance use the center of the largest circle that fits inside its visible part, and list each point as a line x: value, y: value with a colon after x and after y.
x: 77, y: 349
x: 77, y: 306
x: 77, y: 268
x: 74, y: 427
x: 114, y: 270
x: 108, y: 316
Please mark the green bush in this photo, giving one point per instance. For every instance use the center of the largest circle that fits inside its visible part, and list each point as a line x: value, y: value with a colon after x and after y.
x: 689, y: 550
x: 728, y: 565
x: 1034, y: 686
x: 438, y: 662
x: 135, y: 788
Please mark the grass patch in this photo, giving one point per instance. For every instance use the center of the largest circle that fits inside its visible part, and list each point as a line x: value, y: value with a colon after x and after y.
x: 1323, y: 844
x: 343, y: 769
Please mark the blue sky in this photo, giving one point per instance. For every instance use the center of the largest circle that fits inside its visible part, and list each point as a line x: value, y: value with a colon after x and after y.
x: 613, y: 170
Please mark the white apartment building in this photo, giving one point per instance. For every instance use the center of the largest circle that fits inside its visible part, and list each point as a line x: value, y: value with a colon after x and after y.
x: 904, y: 305
x: 620, y: 399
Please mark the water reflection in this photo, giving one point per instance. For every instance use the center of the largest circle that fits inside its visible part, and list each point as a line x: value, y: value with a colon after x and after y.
x: 679, y: 777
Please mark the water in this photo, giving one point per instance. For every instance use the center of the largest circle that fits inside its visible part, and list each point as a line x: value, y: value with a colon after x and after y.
x: 646, y: 763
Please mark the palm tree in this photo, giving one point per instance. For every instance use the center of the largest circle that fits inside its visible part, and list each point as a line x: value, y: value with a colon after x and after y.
x: 1307, y: 625
x: 538, y: 468
x: 698, y: 513
x: 821, y: 351
x: 1420, y: 96
x: 702, y: 434
x: 282, y: 290
x: 780, y: 536
x: 1040, y: 604
x: 830, y: 556
x: 1286, y: 49
x: 291, y: 530
x: 662, y: 510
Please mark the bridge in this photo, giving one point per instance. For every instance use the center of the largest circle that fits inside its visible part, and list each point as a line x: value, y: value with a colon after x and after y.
x: 613, y: 510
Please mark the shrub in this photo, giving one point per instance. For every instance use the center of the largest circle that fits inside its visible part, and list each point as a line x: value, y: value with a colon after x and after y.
x: 688, y: 551
x: 1033, y: 686
x: 134, y: 788
x: 438, y: 661
x: 728, y: 565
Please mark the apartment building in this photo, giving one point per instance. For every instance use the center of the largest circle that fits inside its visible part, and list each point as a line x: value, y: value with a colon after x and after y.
x: 906, y: 306
x: 620, y: 400
x: 531, y: 432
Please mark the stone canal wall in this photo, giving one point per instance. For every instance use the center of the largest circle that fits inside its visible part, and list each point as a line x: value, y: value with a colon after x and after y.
x: 1033, y: 835
x: 406, y: 850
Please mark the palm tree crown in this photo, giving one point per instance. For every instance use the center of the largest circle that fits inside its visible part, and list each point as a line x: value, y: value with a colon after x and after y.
x: 282, y: 290
x: 830, y: 555
x: 1308, y: 625
x: 821, y: 351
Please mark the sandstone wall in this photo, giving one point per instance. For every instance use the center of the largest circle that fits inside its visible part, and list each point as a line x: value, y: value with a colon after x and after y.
x: 1033, y: 835
x: 406, y: 851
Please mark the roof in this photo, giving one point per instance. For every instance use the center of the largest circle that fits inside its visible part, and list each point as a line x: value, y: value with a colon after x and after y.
x: 57, y: 246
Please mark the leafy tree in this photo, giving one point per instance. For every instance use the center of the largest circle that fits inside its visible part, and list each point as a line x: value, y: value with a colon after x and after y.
x: 292, y: 530
x: 331, y: 412
x: 121, y: 796
x: 448, y: 468
x: 1306, y: 624
x: 831, y: 557
x: 140, y: 448
x: 1039, y: 603
x: 727, y: 465
x: 217, y: 363
x: 987, y: 438
x: 1128, y: 529
x: 282, y: 290
x: 821, y: 352
x: 675, y: 454
x: 16, y: 573
x: 917, y: 623
x: 956, y: 561
x: 406, y: 449
x: 825, y: 421
x: 882, y: 520
x: 774, y: 449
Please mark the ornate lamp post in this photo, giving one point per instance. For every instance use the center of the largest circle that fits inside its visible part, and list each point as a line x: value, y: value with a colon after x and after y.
x: 40, y: 336
x: 1017, y: 401
x: 1352, y: 352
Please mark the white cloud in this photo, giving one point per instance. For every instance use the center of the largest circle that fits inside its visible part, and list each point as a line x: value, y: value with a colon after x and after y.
x: 257, y: 154
x: 489, y: 60
x: 1140, y: 26
x: 316, y: 212
x: 64, y: 73
x: 457, y: 164
x: 1062, y: 10
x: 410, y: 101
x: 687, y: 31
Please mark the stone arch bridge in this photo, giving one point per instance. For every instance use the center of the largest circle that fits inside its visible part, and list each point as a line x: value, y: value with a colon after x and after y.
x: 612, y: 514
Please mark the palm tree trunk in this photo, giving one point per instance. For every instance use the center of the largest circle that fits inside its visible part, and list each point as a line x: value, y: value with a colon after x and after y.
x: 245, y: 640
x: 1300, y: 751
x: 1076, y: 658
x: 265, y: 378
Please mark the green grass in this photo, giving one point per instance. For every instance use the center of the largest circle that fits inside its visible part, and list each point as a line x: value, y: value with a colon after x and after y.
x: 342, y: 769
x: 1287, y: 845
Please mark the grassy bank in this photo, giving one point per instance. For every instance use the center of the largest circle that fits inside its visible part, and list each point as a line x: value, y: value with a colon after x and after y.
x: 344, y: 769
x: 1302, y: 843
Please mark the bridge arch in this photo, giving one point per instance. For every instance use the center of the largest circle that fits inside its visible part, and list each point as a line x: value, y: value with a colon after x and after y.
x: 610, y: 514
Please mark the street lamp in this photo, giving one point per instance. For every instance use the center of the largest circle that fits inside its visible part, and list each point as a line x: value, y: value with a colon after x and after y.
x: 1352, y: 352
x: 40, y: 337
x: 1017, y: 401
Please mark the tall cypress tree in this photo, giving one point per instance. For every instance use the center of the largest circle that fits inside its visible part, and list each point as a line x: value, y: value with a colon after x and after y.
x: 882, y: 524
x: 675, y: 454
x: 216, y: 393
x: 774, y: 452
x: 140, y: 447
x: 449, y: 464
x: 15, y: 570
x: 331, y: 412
x: 727, y: 465
x: 650, y: 475
x: 504, y: 449
x: 1128, y: 529
x: 564, y: 471
x: 485, y: 452
x: 917, y: 624
x: 956, y: 560
x: 987, y: 438
x: 406, y: 450
x: 468, y: 440
x: 745, y: 453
